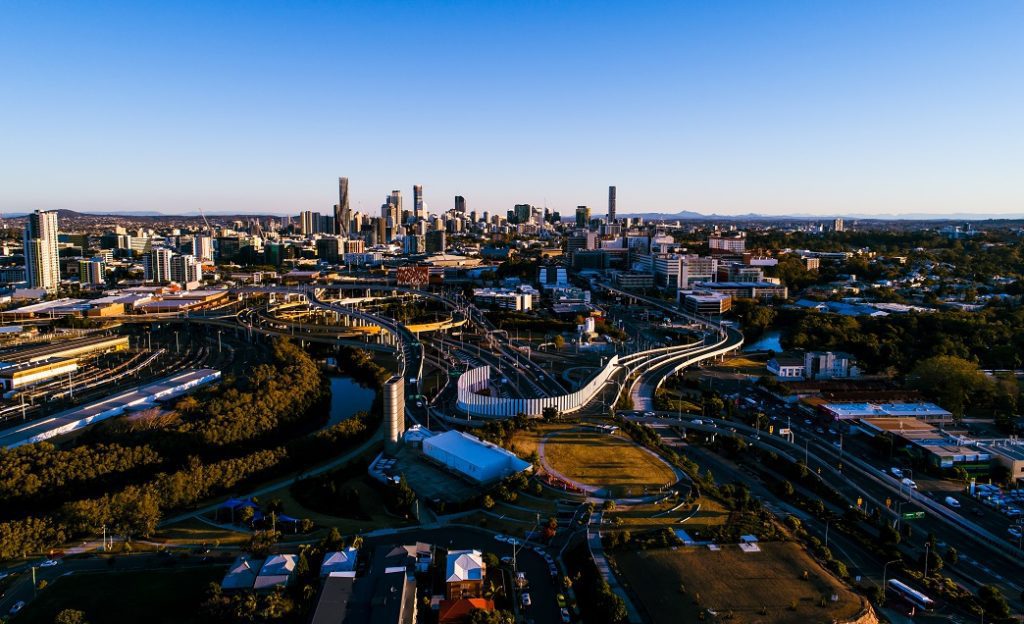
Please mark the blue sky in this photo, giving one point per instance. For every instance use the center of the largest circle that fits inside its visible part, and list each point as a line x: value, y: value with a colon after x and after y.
x: 712, y: 106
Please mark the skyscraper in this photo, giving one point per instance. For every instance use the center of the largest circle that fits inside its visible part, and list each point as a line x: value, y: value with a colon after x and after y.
x: 460, y: 204
x: 582, y: 216
x: 611, y: 204
x: 417, y: 201
x: 42, y: 266
x: 342, y: 213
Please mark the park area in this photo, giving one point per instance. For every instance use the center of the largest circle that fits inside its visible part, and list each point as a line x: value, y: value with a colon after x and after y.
x: 609, y: 465
x: 767, y: 587
x: 154, y: 597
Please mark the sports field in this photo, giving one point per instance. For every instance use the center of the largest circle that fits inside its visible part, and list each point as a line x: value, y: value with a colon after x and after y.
x: 765, y: 587
x: 613, y: 464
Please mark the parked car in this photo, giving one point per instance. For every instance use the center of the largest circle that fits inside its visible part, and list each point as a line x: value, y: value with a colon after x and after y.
x: 565, y: 615
x: 18, y: 606
x: 526, y: 599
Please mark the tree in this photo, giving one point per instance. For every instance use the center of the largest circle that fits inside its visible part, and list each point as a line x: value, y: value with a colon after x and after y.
x: 550, y: 413
x: 993, y: 601
x: 559, y: 341
x: 488, y: 502
x: 70, y: 616
x: 952, y: 556
x: 952, y: 381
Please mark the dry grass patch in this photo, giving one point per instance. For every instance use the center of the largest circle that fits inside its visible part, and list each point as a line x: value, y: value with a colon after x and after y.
x: 608, y: 461
x: 764, y: 588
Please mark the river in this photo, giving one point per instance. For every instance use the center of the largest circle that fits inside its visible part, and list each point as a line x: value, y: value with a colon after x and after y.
x: 347, y: 398
x: 769, y: 341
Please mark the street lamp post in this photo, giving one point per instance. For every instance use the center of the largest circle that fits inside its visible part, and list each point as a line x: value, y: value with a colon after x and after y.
x: 885, y: 569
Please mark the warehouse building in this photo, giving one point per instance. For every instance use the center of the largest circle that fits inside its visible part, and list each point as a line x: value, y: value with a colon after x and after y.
x: 479, y: 461
x: 27, y: 373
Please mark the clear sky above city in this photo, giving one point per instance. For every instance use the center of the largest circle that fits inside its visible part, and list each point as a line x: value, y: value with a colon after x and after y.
x: 713, y: 106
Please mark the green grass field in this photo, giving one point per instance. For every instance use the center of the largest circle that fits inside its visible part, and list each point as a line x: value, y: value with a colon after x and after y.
x: 765, y: 587
x: 154, y: 597
x: 607, y: 461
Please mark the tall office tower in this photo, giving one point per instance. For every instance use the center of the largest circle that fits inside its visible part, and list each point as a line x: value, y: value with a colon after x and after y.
x: 395, y: 200
x: 342, y: 213
x: 460, y: 204
x: 186, y: 270
x: 582, y: 216
x: 611, y: 204
x: 92, y: 271
x: 309, y: 222
x: 42, y: 266
x: 202, y: 247
x: 417, y: 201
x: 157, y: 265
x: 837, y: 225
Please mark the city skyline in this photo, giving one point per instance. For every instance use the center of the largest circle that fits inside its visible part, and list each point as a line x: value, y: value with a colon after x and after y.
x: 805, y: 108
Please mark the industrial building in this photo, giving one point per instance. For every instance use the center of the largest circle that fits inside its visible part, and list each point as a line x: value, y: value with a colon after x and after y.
x: 849, y: 411
x: 14, y: 376
x: 479, y: 461
x: 65, y: 349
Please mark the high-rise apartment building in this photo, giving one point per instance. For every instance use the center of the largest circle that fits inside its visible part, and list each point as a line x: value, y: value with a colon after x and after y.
x: 342, y: 212
x: 186, y: 269
x: 837, y: 225
x: 92, y: 272
x: 42, y: 266
x: 611, y: 204
x: 157, y: 265
x: 460, y: 204
x: 202, y: 247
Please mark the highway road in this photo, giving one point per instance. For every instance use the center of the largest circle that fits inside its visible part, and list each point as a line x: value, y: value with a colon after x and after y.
x: 986, y: 559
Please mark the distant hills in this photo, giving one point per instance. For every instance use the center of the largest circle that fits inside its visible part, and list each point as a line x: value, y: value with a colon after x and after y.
x: 688, y: 215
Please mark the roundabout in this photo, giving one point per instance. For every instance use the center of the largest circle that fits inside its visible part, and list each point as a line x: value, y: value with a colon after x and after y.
x: 603, y: 465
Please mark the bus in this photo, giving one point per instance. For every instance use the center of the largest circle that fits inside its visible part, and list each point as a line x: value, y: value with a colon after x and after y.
x: 911, y: 595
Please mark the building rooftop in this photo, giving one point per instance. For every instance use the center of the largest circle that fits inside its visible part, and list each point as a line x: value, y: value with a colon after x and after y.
x: 464, y: 565
x: 242, y: 573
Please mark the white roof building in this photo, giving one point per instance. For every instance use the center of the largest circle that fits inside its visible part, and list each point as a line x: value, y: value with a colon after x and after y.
x: 480, y: 461
x: 464, y: 565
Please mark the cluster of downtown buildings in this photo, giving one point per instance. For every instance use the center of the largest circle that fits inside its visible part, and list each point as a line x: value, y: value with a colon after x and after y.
x: 631, y: 253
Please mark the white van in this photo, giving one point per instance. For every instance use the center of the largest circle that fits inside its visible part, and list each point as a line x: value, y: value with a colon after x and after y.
x: 952, y: 502
x: 909, y: 483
